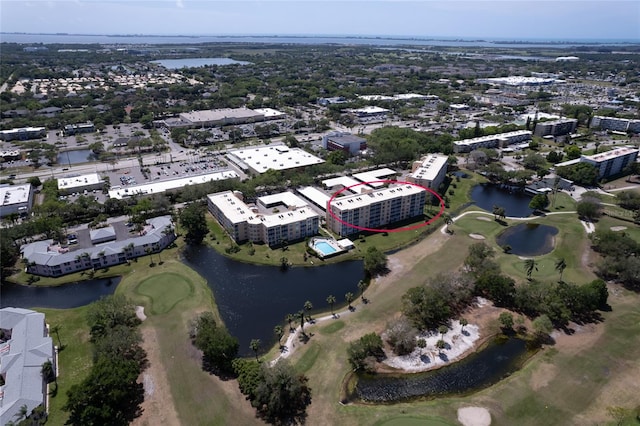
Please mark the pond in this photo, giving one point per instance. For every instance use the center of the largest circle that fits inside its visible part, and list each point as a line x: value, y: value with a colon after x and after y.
x: 515, y: 203
x: 61, y: 297
x: 76, y: 156
x: 528, y: 239
x: 174, y: 64
x: 253, y: 299
x: 499, y: 359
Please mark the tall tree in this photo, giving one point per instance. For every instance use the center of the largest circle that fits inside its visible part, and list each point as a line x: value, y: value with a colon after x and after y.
x: 349, y: 298
x: 255, y: 346
x: 289, y: 318
x: 192, y: 218
x: 279, y: 332
x: 529, y: 266
x: 375, y: 261
x: 55, y: 329
x: 331, y: 299
x: 560, y: 266
x: 362, y: 285
x: 308, y: 306
x: 463, y: 324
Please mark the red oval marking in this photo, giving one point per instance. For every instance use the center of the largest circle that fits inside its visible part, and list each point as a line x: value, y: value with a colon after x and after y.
x: 408, y: 228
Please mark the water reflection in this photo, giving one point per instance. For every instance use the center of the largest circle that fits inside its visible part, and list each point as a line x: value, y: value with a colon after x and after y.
x: 253, y: 299
x: 61, y: 297
x: 477, y: 371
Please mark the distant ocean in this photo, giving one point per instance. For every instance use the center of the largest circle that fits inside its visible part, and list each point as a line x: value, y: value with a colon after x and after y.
x: 331, y: 40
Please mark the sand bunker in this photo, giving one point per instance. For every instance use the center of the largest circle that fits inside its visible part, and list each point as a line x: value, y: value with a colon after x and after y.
x: 618, y: 228
x: 477, y: 236
x: 140, y: 313
x: 474, y: 416
x: 484, y: 218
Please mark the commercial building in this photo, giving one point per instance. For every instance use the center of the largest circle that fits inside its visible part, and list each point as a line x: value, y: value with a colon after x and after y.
x: 612, y: 162
x: 340, y: 141
x: 430, y: 171
x: 520, y: 81
x: 559, y: 127
x: 377, y: 208
x: 15, y: 199
x: 159, y: 187
x: 370, y: 114
x: 52, y: 260
x: 273, y: 220
x: 616, y: 124
x: 220, y: 117
x: 80, y: 183
x: 270, y: 113
x: 73, y: 129
x: 25, y: 346
x: 23, y: 134
x: 492, y: 141
x: 277, y: 157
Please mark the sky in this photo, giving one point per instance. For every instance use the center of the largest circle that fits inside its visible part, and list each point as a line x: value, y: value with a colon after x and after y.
x: 513, y: 20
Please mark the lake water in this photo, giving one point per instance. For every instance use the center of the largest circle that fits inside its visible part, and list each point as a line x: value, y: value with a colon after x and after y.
x: 381, y: 40
x: 528, y: 239
x: 253, y: 299
x: 76, y: 156
x: 477, y: 371
x: 62, y: 297
x: 515, y: 203
x: 174, y: 64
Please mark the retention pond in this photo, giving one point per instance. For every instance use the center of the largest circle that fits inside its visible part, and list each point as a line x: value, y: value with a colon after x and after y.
x: 528, y: 239
x: 497, y: 360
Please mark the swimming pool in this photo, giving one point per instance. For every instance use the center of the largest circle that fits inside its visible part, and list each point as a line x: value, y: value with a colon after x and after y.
x: 324, y: 248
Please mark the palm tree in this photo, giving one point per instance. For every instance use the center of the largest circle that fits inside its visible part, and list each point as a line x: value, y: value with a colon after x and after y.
x: 255, y: 346
x: 463, y: 324
x: 362, y: 285
x: 441, y: 345
x: 156, y: 247
x: 22, y: 412
x: 443, y: 330
x: 349, y: 298
x: 301, y: 315
x: 48, y: 375
x: 290, y: 319
x: 278, y: 331
x: 56, y: 330
x: 331, y: 299
x: 561, y: 265
x: 529, y: 266
x: 447, y: 220
x: 308, y: 306
x: 148, y: 251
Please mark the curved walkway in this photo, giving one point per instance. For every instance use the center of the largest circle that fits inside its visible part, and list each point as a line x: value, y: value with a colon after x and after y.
x: 482, y: 212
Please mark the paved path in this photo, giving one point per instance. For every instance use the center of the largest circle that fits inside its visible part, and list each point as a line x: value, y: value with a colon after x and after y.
x: 444, y: 228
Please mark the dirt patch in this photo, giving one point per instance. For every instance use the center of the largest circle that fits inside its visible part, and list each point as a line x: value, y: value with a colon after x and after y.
x: 474, y: 416
x: 581, y: 337
x: 157, y: 408
x: 542, y: 376
x: 618, y: 228
x: 477, y: 236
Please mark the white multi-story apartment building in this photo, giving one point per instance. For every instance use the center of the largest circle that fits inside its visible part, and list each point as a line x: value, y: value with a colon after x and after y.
x: 492, y: 141
x: 282, y: 218
x: 616, y: 124
x: 430, y: 171
x: 376, y: 208
x: 559, y: 127
x: 612, y: 162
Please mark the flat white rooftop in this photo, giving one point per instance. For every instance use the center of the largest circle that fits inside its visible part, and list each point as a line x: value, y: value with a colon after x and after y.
x: 162, y: 186
x: 430, y: 167
x: 14, y: 194
x: 219, y: 114
x: 276, y: 157
x: 316, y: 196
x: 71, y: 182
x: 287, y: 198
x: 346, y: 181
x: 608, y: 155
x: 493, y: 137
x: 370, y: 110
x: 270, y: 112
x: 372, y: 176
x: 361, y: 200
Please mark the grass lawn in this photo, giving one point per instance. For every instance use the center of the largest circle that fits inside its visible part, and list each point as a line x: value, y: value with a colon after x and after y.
x: 75, y: 359
x: 164, y: 291
x: 607, y: 222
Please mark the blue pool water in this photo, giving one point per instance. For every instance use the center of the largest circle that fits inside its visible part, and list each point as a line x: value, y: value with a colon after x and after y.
x: 324, y: 247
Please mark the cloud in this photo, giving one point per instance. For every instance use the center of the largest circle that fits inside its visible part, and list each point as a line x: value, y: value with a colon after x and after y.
x: 180, y: 4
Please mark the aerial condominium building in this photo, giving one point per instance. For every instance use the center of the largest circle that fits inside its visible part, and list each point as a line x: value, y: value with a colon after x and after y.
x: 612, y: 162
x: 275, y: 219
x: 430, y: 171
x: 492, y: 141
x: 617, y: 124
x: 560, y: 127
x: 15, y: 199
x: 374, y: 209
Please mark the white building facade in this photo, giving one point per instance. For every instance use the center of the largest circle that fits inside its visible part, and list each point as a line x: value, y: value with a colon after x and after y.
x: 492, y: 141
